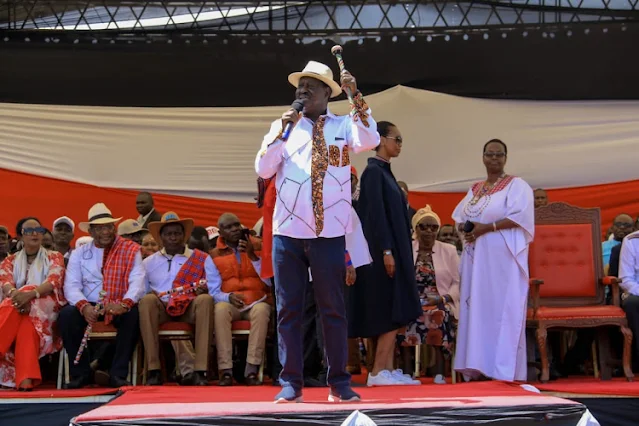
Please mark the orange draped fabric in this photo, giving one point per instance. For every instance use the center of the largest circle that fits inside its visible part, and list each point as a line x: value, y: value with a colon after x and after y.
x: 270, y: 197
x: 47, y: 198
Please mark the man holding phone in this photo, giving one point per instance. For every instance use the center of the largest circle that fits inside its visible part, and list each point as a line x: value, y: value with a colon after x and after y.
x: 247, y: 297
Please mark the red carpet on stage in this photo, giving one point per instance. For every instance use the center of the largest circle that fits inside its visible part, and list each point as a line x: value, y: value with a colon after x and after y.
x: 215, y: 402
x: 590, y: 386
x: 163, y: 394
x: 52, y: 392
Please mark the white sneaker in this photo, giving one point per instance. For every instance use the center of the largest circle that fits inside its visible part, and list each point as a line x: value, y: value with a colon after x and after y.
x: 405, y: 379
x: 439, y: 380
x: 383, y: 378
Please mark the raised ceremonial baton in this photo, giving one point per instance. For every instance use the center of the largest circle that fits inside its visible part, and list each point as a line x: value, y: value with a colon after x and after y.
x: 337, y: 52
x: 87, y: 331
x: 189, y: 288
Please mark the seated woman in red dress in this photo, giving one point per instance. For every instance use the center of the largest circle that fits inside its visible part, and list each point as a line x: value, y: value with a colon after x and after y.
x: 31, y: 282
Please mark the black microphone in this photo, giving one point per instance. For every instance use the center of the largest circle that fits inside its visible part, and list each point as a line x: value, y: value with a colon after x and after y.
x: 468, y: 227
x: 297, y: 105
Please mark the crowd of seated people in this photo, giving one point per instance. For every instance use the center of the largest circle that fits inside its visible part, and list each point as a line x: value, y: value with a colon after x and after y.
x: 128, y: 274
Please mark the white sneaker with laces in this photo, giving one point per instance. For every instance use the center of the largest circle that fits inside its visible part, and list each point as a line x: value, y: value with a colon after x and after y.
x: 439, y: 380
x: 383, y: 378
x: 405, y: 379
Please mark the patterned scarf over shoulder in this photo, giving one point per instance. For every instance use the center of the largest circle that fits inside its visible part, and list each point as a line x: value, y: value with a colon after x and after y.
x: 118, y: 262
x: 192, y: 272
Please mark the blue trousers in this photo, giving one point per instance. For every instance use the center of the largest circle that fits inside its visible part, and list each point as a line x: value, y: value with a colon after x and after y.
x: 291, y: 259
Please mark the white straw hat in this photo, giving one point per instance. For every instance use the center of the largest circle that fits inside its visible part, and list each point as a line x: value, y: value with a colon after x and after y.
x: 99, y: 214
x: 318, y: 71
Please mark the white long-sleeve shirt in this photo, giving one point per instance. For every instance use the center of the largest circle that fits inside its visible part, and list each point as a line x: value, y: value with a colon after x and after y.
x: 83, y: 278
x: 291, y: 161
x: 161, y: 273
x: 629, y: 264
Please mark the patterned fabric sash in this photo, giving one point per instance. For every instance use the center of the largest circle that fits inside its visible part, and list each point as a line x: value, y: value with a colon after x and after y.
x: 319, y: 166
x: 191, y: 272
x: 116, y: 268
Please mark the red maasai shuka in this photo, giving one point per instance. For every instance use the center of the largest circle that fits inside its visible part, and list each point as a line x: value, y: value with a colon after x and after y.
x: 116, y: 270
x: 191, y: 272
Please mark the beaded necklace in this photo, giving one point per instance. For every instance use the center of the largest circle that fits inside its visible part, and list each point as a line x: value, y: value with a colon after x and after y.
x: 485, y: 188
x: 481, y: 195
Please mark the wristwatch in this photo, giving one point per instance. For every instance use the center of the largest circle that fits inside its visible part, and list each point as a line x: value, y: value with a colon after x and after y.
x: 125, y: 306
x: 387, y: 253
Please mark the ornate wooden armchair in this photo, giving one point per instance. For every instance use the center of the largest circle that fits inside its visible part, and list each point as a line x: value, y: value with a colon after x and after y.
x: 567, y: 282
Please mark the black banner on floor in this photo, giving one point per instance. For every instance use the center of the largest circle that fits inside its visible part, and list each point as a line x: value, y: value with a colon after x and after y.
x: 42, y: 414
x: 548, y: 415
x: 614, y: 411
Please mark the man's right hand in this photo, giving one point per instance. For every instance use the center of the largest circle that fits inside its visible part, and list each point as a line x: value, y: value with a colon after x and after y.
x: 292, y: 116
x: 89, y: 314
x: 236, y: 300
x: 389, y: 264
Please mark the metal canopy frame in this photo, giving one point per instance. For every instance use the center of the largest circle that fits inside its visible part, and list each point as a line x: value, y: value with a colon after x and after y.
x: 318, y: 18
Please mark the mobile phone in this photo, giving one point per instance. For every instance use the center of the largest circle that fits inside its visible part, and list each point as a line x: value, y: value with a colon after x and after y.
x: 246, y: 233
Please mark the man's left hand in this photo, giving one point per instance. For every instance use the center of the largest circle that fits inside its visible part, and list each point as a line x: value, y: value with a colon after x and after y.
x: 351, y: 275
x: 246, y: 246
x: 114, y: 309
x: 348, y: 81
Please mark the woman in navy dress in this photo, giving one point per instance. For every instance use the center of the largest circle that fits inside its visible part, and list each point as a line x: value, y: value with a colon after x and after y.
x: 384, y: 298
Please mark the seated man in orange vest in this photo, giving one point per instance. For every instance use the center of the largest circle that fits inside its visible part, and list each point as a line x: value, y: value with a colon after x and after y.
x: 246, y: 296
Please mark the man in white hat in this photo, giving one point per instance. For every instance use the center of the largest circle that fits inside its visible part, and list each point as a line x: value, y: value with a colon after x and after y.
x: 177, y: 266
x: 312, y: 216
x: 113, y: 265
x: 130, y: 229
x: 63, y: 228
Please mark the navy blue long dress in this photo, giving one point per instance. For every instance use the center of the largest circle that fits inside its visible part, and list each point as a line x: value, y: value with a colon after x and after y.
x: 377, y: 303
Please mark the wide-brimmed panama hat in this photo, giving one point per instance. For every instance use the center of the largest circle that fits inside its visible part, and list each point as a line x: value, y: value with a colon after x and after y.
x: 320, y: 72
x: 99, y: 214
x: 169, y: 218
x: 130, y: 226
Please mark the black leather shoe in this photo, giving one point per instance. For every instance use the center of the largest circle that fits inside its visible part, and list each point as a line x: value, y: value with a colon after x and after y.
x: 118, y: 382
x: 154, y: 378
x: 78, y: 382
x: 252, y: 380
x: 226, y: 380
x: 188, y: 380
x: 101, y: 378
x: 200, y: 379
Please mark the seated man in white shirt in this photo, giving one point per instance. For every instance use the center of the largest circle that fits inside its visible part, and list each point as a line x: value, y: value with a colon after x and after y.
x: 629, y: 276
x: 173, y: 268
x: 113, y: 265
x: 244, y: 296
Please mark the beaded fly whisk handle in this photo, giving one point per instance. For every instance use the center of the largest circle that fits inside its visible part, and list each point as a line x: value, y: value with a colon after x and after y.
x: 337, y: 52
x: 87, y: 331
